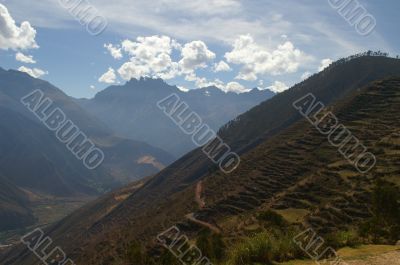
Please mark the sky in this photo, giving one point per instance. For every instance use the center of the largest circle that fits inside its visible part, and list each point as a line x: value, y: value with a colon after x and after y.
x: 85, y: 46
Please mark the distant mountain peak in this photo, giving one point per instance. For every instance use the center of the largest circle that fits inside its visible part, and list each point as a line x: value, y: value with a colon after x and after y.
x: 146, y: 81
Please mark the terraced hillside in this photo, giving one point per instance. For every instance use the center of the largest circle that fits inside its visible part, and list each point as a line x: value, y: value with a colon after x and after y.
x: 294, y: 171
x: 300, y: 174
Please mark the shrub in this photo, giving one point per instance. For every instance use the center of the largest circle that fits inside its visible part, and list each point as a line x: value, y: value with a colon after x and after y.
x: 136, y: 254
x: 272, y: 218
x: 167, y: 258
x: 384, y: 226
x: 349, y: 238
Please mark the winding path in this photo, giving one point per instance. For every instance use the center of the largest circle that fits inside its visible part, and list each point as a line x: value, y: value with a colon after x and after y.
x: 201, y: 203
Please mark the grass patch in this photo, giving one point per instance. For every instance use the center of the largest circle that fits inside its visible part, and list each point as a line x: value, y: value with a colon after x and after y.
x: 265, y: 248
x: 293, y: 215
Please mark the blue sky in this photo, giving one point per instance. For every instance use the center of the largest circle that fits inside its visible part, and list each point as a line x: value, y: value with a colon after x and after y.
x: 235, y: 45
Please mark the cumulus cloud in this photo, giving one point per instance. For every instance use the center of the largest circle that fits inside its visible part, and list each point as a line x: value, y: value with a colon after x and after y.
x: 150, y: 56
x: 115, y: 52
x: 235, y: 87
x: 108, y: 77
x: 324, y: 64
x: 202, y: 82
x: 20, y: 57
x: 131, y: 70
x: 195, y: 55
x: 257, y: 60
x: 278, y: 87
x: 222, y: 67
x: 14, y: 37
x: 146, y: 48
x: 34, y: 72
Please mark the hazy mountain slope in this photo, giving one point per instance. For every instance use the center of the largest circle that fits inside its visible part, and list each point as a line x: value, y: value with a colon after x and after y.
x: 14, y: 207
x: 293, y: 169
x: 132, y: 111
x: 32, y: 157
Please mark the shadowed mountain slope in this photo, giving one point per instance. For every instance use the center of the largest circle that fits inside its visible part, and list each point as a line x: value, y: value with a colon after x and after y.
x: 14, y: 207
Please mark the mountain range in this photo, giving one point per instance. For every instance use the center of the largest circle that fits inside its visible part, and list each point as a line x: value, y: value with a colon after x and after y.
x: 131, y: 110
x: 287, y: 167
x: 33, y: 160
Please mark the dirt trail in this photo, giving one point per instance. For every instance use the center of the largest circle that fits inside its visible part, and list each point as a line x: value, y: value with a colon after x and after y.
x: 198, y: 195
x: 212, y: 227
x: 390, y: 258
x: 201, y: 203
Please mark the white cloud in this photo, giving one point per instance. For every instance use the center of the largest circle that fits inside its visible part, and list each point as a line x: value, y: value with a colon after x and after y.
x: 325, y: 63
x: 34, y: 72
x: 150, y: 56
x: 257, y: 60
x: 278, y: 87
x: 204, y: 7
x: 131, y: 70
x: 202, y: 82
x: 115, y: 52
x: 235, y: 87
x: 305, y: 75
x: 222, y: 67
x: 14, y: 37
x: 109, y: 77
x: 195, y: 55
x: 146, y: 48
x: 183, y: 89
x: 20, y: 57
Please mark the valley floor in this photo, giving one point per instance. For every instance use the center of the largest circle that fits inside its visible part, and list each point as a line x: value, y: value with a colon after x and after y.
x: 47, y: 210
x: 363, y: 255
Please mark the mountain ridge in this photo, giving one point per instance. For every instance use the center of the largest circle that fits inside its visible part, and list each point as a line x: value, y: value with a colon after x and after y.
x: 131, y: 109
x: 33, y: 159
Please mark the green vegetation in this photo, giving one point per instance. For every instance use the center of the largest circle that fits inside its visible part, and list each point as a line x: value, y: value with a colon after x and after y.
x: 265, y: 248
x: 167, y: 258
x: 384, y: 226
x: 349, y: 238
x: 136, y: 254
x: 272, y: 218
x: 211, y: 245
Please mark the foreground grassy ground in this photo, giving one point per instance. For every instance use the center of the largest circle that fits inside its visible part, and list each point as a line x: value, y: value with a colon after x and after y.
x: 366, y: 254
